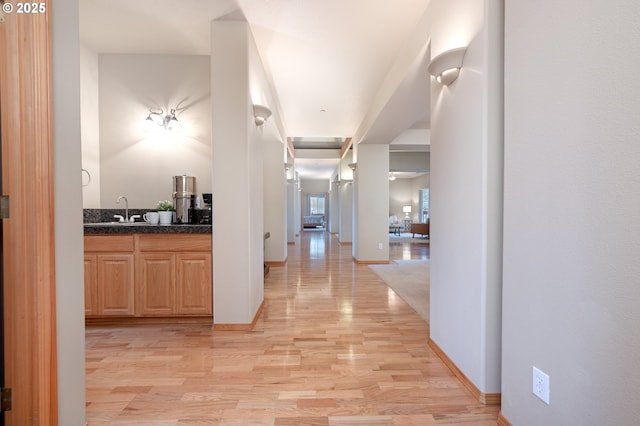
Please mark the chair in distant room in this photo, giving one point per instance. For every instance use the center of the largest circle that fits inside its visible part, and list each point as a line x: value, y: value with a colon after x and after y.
x: 395, y: 226
x: 420, y: 229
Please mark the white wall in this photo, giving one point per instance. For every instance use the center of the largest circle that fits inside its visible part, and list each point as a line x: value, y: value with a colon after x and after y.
x: 232, y: 204
x: 293, y: 202
x: 292, y: 192
x: 275, y: 154
x: 275, y: 183
x: 90, y: 127
x: 400, y: 195
x: 345, y: 199
x: 68, y: 213
x: 297, y: 209
x: 371, y: 207
x: 140, y: 164
x: 292, y: 220
x: 406, y: 192
x: 314, y: 186
x: 465, y: 195
x: 238, y: 81
x: 334, y: 204
x: 259, y: 136
x: 275, y: 196
x: 345, y: 172
x: 345, y: 231
x: 572, y: 194
x: 409, y: 162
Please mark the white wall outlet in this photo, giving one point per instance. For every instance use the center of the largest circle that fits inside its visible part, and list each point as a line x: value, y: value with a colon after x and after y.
x: 379, y: 246
x: 541, y: 385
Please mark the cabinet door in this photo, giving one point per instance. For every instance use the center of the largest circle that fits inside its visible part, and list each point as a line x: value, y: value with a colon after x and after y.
x: 115, y: 284
x: 194, y: 284
x: 90, y: 285
x: 156, y: 284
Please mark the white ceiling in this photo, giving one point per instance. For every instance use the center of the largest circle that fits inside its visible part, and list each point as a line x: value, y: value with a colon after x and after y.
x: 327, y: 58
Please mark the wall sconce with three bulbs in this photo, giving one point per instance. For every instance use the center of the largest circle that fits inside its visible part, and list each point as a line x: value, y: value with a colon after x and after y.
x: 157, y: 119
x: 446, y: 66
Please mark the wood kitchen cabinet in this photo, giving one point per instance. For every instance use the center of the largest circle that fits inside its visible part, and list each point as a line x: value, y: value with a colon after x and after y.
x: 109, y: 276
x: 174, y: 275
x: 193, y: 295
x: 156, y: 284
x: 148, y: 275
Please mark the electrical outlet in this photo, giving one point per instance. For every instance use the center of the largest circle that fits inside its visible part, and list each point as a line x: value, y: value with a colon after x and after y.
x: 379, y: 246
x: 541, y: 385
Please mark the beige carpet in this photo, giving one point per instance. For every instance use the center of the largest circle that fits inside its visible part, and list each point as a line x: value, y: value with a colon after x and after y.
x: 406, y: 237
x: 410, y: 280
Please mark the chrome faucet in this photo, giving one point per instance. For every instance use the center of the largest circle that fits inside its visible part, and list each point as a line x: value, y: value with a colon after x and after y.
x: 126, y: 207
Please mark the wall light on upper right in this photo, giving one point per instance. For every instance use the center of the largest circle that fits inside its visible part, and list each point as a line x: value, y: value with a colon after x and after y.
x: 446, y: 66
x: 261, y: 114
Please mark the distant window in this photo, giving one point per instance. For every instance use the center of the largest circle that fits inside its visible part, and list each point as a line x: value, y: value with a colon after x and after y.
x: 424, y: 205
x: 316, y: 204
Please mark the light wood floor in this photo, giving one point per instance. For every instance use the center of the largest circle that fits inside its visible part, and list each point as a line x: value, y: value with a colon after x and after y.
x: 334, y: 346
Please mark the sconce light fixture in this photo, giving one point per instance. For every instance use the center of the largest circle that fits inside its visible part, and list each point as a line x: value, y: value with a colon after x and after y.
x: 392, y: 176
x: 446, y: 66
x: 157, y: 118
x: 406, y: 210
x: 261, y: 114
x: 353, y: 166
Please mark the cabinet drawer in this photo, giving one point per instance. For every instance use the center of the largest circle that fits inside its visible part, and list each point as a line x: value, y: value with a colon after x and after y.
x: 108, y: 243
x: 174, y: 242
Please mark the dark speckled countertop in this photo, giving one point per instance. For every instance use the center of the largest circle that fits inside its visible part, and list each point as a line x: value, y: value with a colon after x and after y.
x: 144, y: 228
x: 99, y: 221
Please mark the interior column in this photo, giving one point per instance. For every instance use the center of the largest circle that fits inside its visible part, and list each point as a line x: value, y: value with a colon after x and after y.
x: 237, y: 179
x: 345, y: 201
x: 371, y: 239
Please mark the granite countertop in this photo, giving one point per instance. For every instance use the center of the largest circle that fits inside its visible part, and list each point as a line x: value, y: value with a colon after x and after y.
x: 100, y: 221
x: 144, y: 228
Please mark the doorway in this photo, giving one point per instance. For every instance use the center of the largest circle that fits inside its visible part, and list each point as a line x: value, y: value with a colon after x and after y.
x: 29, y: 350
x: 1, y: 282
x: 315, y: 211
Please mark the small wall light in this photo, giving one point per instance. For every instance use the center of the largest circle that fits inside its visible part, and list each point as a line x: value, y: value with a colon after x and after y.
x: 157, y: 118
x: 261, y: 113
x: 446, y: 66
x: 406, y: 210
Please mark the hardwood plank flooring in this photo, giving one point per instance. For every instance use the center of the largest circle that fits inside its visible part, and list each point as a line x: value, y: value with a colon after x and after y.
x: 417, y: 250
x: 334, y: 346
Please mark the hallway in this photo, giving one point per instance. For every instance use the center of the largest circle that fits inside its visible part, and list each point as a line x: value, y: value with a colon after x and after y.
x: 334, y: 346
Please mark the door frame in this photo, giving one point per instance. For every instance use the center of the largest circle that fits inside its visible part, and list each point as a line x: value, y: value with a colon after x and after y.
x: 305, y: 205
x: 2, y: 422
x: 27, y: 178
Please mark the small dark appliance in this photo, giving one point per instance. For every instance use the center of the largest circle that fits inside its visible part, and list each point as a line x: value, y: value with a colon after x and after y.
x: 203, y: 215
